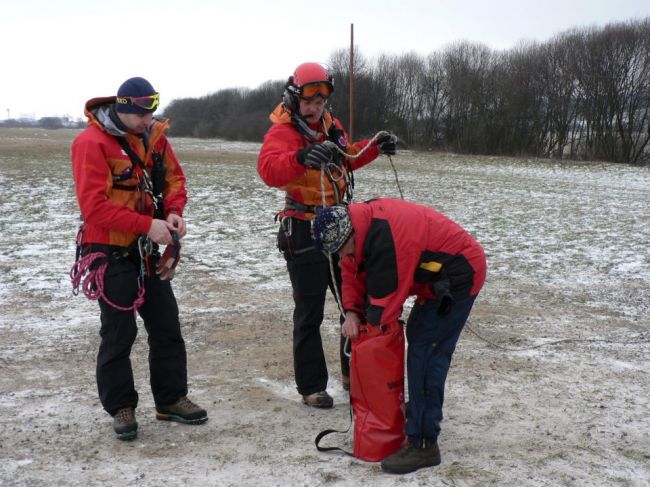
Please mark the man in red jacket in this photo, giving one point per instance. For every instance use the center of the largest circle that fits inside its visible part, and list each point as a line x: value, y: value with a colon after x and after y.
x: 131, y: 192
x: 392, y: 249
x: 301, y: 155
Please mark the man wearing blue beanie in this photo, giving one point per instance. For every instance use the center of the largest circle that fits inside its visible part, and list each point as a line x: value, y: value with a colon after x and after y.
x: 136, y: 95
x: 131, y: 191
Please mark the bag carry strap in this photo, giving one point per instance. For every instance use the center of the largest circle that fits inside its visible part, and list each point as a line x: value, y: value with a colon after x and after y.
x: 324, y: 433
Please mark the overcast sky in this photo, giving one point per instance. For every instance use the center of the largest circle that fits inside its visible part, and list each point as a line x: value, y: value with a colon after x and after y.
x: 58, y: 54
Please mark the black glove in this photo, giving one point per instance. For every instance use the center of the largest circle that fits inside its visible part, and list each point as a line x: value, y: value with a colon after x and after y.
x: 446, y: 304
x: 444, y: 297
x: 315, y: 155
x: 387, y: 144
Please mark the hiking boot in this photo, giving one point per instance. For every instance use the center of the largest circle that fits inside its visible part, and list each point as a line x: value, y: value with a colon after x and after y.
x: 409, y: 459
x: 345, y: 382
x: 182, y: 411
x: 124, y: 424
x: 318, y: 400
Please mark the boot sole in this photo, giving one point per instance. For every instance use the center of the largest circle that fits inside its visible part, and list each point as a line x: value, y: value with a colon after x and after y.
x: 404, y: 470
x: 319, y: 406
x: 180, y: 419
x: 399, y: 471
x: 127, y: 435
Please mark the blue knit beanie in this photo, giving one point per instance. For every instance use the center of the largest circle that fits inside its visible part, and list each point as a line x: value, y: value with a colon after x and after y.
x: 133, y: 88
x: 331, y: 228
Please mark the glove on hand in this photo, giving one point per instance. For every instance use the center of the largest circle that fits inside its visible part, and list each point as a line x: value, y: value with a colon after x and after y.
x: 315, y: 155
x: 387, y: 144
x: 444, y: 297
x: 166, y: 266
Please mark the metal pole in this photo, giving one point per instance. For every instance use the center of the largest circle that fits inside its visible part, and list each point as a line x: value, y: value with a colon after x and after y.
x: 351, y: 124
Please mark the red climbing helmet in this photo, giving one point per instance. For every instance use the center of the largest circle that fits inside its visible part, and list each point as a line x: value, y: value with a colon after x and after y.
x: 311, y: 79
x: 308, y: 80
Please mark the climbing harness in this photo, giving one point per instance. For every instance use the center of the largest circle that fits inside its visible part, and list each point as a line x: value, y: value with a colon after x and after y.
x: 151, y: 184
x: 338, y: 169
x: 88, y: 272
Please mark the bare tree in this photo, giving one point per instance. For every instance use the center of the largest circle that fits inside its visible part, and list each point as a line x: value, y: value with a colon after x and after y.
x: 583, y: 94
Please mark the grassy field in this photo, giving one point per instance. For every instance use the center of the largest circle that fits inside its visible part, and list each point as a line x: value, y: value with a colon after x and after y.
x: 558, y: 397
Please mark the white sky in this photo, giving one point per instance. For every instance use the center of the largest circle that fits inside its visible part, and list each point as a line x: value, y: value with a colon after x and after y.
x: 58, y: 54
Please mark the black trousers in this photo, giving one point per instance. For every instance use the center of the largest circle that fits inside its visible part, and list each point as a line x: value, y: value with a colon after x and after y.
x: 310, y: 275
x: 167, y: 356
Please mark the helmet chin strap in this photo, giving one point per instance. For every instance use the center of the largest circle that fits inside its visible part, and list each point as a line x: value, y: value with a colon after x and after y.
x: 303, y: 127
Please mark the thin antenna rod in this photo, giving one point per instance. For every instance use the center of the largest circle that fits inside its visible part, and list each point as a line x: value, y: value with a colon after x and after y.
x: 351, y: 124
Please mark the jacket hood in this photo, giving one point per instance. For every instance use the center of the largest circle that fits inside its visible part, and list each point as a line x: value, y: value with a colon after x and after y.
x: 97, y: 111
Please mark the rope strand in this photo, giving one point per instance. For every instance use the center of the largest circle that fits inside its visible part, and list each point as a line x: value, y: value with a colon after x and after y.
x: 92, y: 284
x: 642, y: 338
x: 401, y: 194
x: 332, y: 145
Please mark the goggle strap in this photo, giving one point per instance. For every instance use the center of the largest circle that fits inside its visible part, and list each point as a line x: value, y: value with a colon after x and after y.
x: 134, y: 100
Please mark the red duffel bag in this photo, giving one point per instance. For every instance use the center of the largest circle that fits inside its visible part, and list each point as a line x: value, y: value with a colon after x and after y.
x: 377, y: 391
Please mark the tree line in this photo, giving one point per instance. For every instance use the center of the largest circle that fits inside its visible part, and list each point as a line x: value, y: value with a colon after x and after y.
x: 584, y: 94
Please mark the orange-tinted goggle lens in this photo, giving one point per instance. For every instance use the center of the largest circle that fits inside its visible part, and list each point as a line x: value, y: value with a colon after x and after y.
x: 146, y: 102
x: 316, y: 89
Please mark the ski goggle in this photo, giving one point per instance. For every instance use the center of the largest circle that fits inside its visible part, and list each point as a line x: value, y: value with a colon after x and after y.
x: 311, y: 90
x: 147, y: 102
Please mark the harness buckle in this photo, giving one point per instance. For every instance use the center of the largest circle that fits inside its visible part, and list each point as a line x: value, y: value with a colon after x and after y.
x: 288, y: 228
x: 145, y: 247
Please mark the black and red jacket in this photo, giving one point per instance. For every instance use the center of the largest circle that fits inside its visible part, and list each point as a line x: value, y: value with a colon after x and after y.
x: 404, y: 249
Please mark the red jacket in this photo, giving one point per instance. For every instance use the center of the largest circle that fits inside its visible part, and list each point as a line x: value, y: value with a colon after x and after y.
x: 278, y: 166
x: 404, y: 249
x: 114, y: 209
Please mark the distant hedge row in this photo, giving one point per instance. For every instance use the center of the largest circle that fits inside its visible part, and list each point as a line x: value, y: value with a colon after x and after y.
x: 585, y: 94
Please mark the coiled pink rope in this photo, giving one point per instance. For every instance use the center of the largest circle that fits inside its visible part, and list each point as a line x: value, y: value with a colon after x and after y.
x: 93, y: 284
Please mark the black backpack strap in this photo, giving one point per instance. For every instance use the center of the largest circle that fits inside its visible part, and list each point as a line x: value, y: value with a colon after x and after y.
x: 324, y: 433
x: 135, y: 159
x: 154, y: 181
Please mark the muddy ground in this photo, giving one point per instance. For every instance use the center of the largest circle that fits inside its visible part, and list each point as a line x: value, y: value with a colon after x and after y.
x: 559, y: 397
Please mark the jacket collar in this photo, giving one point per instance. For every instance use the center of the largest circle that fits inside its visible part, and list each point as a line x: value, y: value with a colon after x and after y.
x: 281, y: 115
